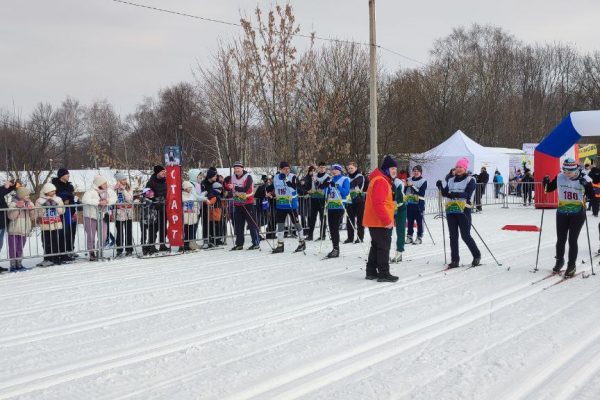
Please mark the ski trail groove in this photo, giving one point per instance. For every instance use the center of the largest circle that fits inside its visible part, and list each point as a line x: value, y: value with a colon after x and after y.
x: 304, y: 380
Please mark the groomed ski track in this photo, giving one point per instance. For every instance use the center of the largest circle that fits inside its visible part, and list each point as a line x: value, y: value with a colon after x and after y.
x: 251, y: 325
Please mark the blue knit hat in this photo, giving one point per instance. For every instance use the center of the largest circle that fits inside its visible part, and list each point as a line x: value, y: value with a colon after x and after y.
x: 569, y: 165
x: 338, y: 167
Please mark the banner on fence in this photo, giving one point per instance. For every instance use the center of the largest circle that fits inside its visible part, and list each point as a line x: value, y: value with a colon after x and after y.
x: 174, y: 204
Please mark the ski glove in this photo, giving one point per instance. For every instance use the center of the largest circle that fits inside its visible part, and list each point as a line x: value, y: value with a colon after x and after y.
x: 439, y: 184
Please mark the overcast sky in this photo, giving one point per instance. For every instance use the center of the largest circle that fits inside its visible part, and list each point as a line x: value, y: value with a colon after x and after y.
x: 99, y: 49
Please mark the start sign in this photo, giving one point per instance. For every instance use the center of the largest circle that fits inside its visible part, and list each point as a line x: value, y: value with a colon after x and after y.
x: 174, y: 206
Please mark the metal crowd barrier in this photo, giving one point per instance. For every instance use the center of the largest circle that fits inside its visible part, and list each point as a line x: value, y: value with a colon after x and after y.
x: 140, y: 228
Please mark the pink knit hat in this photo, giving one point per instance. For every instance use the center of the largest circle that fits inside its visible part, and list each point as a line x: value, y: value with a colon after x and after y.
x: 463, y: 163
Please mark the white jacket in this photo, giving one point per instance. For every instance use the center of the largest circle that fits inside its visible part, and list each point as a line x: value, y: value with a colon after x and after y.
x: 20, y: 218
x: 49, y: 218
x: 190, y: 208
x: 91, y: 202
x: 124, y: 206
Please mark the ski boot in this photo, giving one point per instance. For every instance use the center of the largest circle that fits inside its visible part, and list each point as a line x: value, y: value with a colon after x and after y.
x: 357, y: 241
x: 164, y: 248
x: 236, y: 248
x: 397, y: 258
x: 301, y: 247
x: 409, y: 239
x: 453, y: 264
x: 559, y: 264
x: 349, y: 240
x: 279, y: 248
x: 570, y: 272
x: 387, y: 278
x: 254, y: 247
x: 371, y: 277
x: 418, y: 241
x: 476, y: 262
x: 335, y: 253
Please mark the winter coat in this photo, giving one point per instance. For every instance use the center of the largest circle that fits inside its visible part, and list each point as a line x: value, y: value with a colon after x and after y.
x: 358, y: 186
x: 379, y: 205
x: 66, y: 192
x: 159, y: 187
x: 48, y: 218
x: 3, y: 193
x: 123, y: 205
x: 191, y: 208
x: 149, y: 211
x: 483, y: 178
x: 91, y: 200
x: 215, y: 201
x: 20, y: 219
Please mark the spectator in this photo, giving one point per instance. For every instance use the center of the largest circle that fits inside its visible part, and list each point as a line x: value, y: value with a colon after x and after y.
x: 97, y: 201
x: 20, y: 226
x: 48, y: 218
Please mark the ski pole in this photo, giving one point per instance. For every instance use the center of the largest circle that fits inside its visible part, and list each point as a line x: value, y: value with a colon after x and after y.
x: 257, y: 227
x: 362, y: 243
x: 443, y: 226
x: 428, y: 231
x: 589, y: 243
x: 537, y: 256
x: 486, y: 246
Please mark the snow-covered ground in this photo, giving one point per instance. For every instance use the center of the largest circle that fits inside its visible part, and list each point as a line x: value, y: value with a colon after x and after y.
x: 221, y: 325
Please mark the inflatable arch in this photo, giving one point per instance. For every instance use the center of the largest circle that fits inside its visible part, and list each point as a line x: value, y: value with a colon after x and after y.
x: 547, y: 154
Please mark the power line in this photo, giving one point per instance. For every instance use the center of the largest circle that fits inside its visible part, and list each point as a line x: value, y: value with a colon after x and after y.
x: 229, y: 23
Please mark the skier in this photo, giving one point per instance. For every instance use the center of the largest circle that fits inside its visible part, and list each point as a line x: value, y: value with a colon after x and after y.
x: 379, y: 218
x: 336, y: 192
x: 286, y: 203
x: 573, y: 185
x: 415, y: 202
x: 459, y: 191
x: 400, y: 219
x: 356, y: 208
x: 244, y: 211
x: 317, y: 201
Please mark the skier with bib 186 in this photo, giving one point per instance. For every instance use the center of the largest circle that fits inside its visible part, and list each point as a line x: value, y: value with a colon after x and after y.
x: 414, y: 198
x: 336, y: 194
x: 572, y: 186
x: 459, y: 191
x: 285, y: 186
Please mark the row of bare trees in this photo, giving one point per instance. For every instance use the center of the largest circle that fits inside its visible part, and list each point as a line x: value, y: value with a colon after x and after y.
x: 259, y: 100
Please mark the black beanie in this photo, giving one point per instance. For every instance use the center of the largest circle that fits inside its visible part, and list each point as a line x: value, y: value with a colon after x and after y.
x: 388, y: 162
x: 62, y: 172
x: 211, y: 173
x: 158, y: 168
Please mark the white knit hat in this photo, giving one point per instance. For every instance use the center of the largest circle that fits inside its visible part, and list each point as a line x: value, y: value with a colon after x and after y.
x: 47, y: 188
x: 187, y: 185
x: 99, y: 180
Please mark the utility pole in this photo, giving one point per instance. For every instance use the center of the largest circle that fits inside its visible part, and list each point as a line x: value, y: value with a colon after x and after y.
x: 372, y: 86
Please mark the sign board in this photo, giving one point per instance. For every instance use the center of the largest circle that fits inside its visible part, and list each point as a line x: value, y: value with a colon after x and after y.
x: 174, y: 203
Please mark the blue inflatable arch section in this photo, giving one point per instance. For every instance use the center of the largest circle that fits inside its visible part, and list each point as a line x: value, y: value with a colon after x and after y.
x: 547, y: 154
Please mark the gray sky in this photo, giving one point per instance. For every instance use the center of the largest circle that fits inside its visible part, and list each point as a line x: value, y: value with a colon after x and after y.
x: 99, y: 49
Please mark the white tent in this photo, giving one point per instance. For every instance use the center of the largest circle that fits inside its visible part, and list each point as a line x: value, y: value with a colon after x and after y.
x: 438, y: 161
